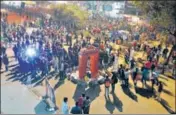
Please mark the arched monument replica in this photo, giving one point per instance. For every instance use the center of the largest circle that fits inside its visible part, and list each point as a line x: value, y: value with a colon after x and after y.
x: 91, y: 53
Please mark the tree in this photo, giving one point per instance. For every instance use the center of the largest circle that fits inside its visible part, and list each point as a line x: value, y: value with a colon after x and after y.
x: 70, y: 13
x: 161, y: 15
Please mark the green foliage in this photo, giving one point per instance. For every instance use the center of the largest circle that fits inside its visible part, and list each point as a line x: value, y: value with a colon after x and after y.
x: 160, y: 13
x: 73, y: 11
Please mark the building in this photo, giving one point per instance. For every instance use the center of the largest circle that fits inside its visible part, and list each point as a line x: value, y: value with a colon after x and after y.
x: 105, y: 8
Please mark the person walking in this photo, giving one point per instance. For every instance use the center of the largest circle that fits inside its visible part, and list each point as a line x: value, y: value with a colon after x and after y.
x: 76, y: 109
x: 105, y: 60
x: 65, y: 107
x: 0, y: 62
x: 87, y: 105
x: 134, y: 76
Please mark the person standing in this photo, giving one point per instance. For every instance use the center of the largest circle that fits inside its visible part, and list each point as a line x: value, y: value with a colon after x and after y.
x: 65, y: 107
x: 87, y: 105
x: 76, y: 109
x: 62, y: 71
x: 81, y: 101
x: 114, y: 81
x: 132, y: 63
x: 0, y: 62
x: 121, y: 73
x: 131, y: 53
x: 115, y: 64
x: 127, y: 72
x: 15, y: 50
x: 56, y: 63
x: 165, y: 51
x: 160, y: 89
x: 107, y: 85
x: 145, y: 76
x: 6, y: 62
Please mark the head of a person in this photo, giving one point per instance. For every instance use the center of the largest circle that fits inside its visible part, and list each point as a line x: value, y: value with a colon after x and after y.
x: 121, y: 65
x: 159, y: 83
x: 127, y: 69
x: 77, y: 103
x: 83, y: 95
x: 106, y: 76
x: 87, y: 97
x: 65, y: 99
x: 137, y: 69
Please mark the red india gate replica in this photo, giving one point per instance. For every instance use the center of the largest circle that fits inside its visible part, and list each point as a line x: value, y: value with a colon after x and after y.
x: 91, y: 53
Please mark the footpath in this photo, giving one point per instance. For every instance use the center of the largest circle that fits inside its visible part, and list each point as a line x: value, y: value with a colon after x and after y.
x: 17, y: 98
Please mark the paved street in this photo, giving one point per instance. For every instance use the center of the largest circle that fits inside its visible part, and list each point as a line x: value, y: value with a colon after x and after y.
x: 18, y: 99
x: 140, y: 30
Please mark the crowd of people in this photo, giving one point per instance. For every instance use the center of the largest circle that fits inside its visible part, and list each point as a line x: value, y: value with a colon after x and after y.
x: 82, y: 106
x: 43, y: 50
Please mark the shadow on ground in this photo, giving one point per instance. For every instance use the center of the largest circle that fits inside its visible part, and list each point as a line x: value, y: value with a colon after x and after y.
x: 129, y: 93
x: 41, y: 108
x: 80, y: 89
x: 22, y: 74
x: 144, y: 92
x: 167, y: 92
x: 109, y: 105
x: 58, y: 84
x: 118, y: 104
x: 92, y: 92
x: 165, y: 104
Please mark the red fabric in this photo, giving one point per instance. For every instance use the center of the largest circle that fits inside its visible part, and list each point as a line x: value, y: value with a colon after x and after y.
x: 134, y: 44
x: 80, y: 101
x: 138, y: 77
x: 155, y: 63
x: 148, y: 50
x: 148, y: 64
x: 101, y: 46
